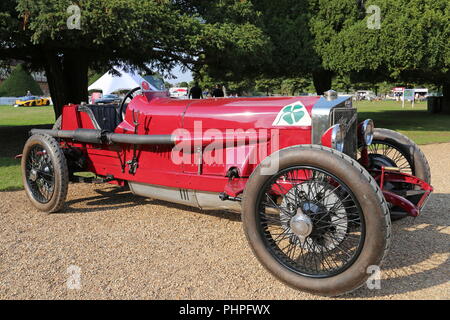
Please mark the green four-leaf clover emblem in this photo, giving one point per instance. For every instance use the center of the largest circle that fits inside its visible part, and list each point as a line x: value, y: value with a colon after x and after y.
x: 292, y: 114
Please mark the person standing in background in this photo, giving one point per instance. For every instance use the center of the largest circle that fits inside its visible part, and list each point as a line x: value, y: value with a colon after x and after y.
x: 218, y: 92
x: 196, y: 92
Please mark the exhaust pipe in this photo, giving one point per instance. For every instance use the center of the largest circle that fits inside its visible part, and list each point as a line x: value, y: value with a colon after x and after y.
x: 96, y: 136
x: 99, y: 137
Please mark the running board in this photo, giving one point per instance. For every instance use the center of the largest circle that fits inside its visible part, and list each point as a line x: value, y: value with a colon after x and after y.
x: 194, y: 198
x: 80, y: 179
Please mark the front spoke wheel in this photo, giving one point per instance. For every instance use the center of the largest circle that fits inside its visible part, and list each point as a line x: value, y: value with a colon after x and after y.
x: 311, y: 221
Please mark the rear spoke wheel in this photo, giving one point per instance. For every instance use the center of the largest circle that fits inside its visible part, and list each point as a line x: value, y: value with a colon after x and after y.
x: 385, y: 154
x: 40, y: 174
x: 392, y: 149
x: 44, y: 173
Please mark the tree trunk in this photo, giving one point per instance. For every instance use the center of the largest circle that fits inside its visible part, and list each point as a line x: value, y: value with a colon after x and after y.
x: 54, y: 74
x: 67, y: 77
x: 76, y: 77
x: 446, y: 99
x: 322, y: 81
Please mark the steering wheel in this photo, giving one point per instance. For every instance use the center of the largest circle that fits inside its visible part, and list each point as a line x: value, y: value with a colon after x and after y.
x: 129, y: 95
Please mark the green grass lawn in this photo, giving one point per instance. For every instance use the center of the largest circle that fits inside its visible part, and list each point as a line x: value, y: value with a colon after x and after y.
x: 416, y: 123
x: 26, y: 116
x: 10, y: 176
x: 419, y: 125
x: 14, y: 126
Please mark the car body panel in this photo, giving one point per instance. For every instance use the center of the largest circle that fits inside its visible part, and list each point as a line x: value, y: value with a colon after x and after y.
x: 162, y: 115
x: 219, y: 141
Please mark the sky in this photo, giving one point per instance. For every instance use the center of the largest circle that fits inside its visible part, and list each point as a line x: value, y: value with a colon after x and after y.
x: 180, y: 76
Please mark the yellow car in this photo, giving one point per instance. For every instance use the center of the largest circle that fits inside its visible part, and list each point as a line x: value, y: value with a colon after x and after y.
x: 30, y: 101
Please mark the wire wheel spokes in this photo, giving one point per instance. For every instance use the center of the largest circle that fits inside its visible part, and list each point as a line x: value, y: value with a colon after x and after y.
x: 310, y: 221
x: 384, y: 149
x: 40, y: 174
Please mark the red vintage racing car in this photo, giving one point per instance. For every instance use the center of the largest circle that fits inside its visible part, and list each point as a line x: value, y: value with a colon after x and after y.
x: 317, y: 190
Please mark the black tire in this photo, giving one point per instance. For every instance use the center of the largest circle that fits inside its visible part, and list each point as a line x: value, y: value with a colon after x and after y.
x: 44, y: 173
x: 417, y: 163
x: 373, y: 213
x: 57, y: 124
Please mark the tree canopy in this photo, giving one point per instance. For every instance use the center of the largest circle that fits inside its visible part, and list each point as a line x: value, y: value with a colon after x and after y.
x: 242, y: 42
x: 412, y: 43
x: 414, y: 35
x: 156, y: 35
x: 19, y: 83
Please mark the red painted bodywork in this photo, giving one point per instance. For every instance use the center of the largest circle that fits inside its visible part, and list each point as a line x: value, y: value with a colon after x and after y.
x: 241, y: 130
x: 157, y: 114
x: 384, y: 176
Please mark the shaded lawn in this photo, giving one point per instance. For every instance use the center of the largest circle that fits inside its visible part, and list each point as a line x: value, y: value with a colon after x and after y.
x: 416, y: 123
x: 12, y: 140
x: 15, y: 123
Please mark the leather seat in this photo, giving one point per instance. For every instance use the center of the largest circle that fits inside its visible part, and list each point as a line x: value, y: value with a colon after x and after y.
x: 107, y: 116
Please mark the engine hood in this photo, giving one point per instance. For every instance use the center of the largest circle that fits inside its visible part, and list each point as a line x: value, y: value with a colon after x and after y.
x: 247, y: 113
x: 301, y: 112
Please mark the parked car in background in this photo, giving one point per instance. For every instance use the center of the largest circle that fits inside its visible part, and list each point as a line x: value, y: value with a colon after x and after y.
x: 365, y: 95
x: 94, y: 97
x: 178, y: 92
x: 30, y: 101
x: 108, y: 99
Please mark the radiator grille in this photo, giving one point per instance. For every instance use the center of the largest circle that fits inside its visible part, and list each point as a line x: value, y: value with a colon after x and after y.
x: 348, y: 118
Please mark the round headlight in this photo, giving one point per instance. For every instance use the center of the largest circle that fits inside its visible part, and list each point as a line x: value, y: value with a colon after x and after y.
x: 337, y: 138
x: 367, y: 131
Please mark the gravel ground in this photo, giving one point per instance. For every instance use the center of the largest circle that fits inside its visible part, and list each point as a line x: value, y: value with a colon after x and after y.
x: 129, y: 247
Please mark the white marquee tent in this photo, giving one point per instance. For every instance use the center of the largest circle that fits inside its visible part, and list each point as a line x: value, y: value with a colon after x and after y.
x: 109, y: 83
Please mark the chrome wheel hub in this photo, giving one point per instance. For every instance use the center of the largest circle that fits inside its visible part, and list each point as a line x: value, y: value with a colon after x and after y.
x: 304, y: 222
x: 301, y: 224
x: 33, y: 175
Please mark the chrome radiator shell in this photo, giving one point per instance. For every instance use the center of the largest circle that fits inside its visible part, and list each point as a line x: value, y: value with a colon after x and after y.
x: 327, y: 113
x: 348, y: 119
